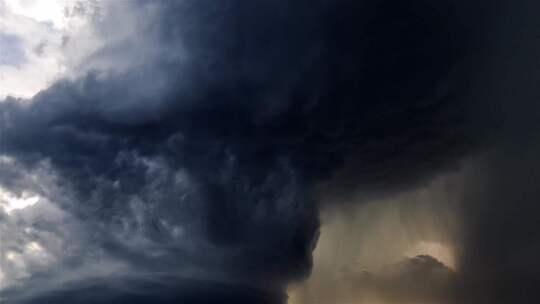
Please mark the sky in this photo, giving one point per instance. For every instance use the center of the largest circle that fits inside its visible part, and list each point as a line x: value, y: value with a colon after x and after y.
x: 299, y: 152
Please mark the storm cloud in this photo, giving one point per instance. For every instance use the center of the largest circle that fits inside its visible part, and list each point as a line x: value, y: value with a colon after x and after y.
x: 185, y: 160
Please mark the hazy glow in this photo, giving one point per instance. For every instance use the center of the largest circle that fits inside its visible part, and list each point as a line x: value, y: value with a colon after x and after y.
x: 379, y: 238
x: 10, y: 202
x: 11, y: 256
x: 34, y: 247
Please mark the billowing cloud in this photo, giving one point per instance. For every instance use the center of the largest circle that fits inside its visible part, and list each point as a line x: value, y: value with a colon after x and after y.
x: 184, y: 156
x: 421, y: 279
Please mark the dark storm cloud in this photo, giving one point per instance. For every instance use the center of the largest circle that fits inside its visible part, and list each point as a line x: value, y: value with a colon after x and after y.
x: 501, y: 204
x: 159, y: 289
x: 201, y: 158
x: 501, y: 240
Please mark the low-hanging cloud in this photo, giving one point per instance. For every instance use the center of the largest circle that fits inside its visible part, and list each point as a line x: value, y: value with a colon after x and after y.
x: 191, y: 166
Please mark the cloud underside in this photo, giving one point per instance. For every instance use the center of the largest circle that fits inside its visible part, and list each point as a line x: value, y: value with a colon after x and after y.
x: 186, y: 161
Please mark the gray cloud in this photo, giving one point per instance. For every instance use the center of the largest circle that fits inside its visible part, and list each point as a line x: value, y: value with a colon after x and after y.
x: 189, y: 148
x: 11, y: 52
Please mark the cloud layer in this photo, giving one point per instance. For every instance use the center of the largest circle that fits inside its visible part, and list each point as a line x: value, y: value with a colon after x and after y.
x: 188, y: 150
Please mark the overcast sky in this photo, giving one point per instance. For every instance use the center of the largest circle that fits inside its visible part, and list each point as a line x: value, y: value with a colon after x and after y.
x: 301, y: 152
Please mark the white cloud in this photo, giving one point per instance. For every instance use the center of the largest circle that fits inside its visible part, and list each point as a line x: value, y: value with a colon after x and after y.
x: 10, y: 202
x: 42, y: 30
x: 42, y: 11
x: 441, y: 252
